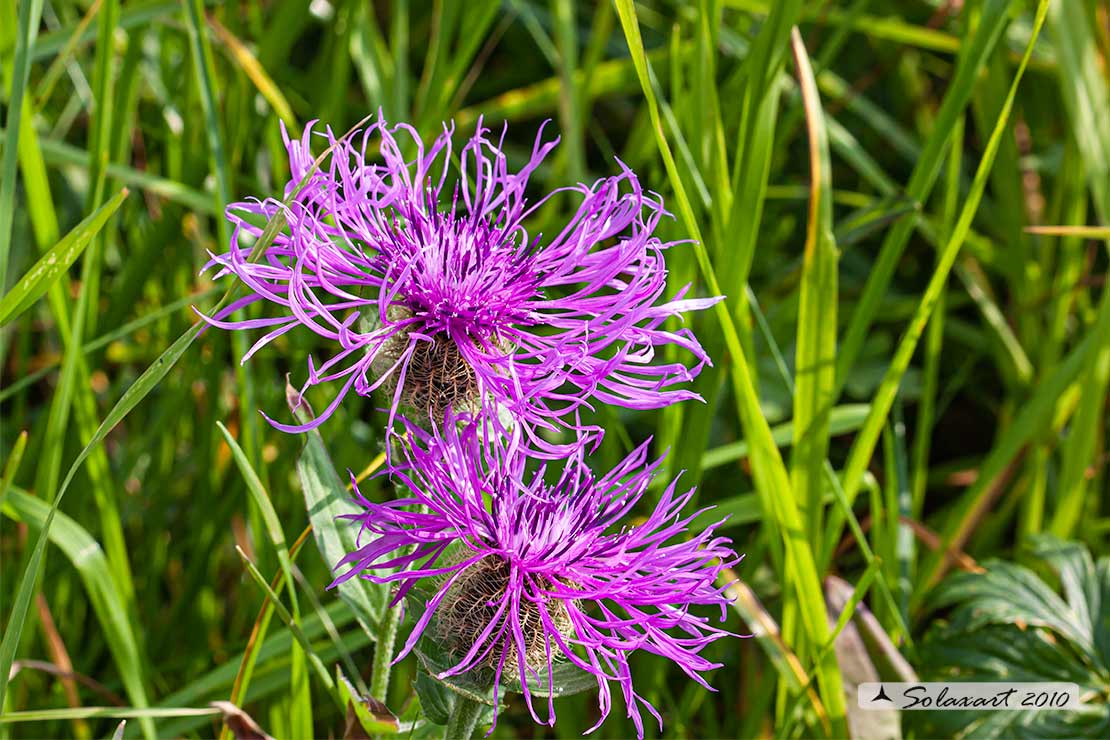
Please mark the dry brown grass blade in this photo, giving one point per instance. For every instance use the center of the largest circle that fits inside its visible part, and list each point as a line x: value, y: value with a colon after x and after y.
x: 241, y: 724
x: 60, y: 657
x: 764, y: 629
x: 1091, y: 232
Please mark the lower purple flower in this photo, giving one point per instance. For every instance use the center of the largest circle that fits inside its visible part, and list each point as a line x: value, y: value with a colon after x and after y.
x: 530, y: 575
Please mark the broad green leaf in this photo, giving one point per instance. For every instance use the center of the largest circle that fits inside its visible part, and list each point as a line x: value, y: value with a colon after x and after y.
x: 1009, y: 653
x: 1010, y: 625
x: 36, y: 281
x: 566, y: 679
x: 326, y: 498
x: 1012, y: 594
x: 468, y: 685
x: 435, y: 698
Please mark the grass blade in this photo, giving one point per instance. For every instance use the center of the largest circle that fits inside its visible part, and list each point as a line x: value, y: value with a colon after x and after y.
x: 294, y: 628
x: 277, y: 537
x: 864, y: 445
x: 256, y: 641
x: 772, y: 480
x: 254, y: 70
x: 88, y: 558
x: 56, y: 262
x: 993, y: 19
x: 815, y: 377
x: 1085, y: 95
x: 47, y: 715
x: 29, y: 14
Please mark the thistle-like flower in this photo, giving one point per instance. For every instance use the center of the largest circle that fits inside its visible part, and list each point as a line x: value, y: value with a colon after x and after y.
x: 528, y: 575
x: 431, y: 286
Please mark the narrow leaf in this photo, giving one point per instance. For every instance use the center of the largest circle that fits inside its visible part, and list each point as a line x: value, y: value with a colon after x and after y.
x: 54, y: 263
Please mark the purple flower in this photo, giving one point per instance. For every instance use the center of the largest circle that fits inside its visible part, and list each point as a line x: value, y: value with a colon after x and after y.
x: 432, y: 286
x: 529, y: 575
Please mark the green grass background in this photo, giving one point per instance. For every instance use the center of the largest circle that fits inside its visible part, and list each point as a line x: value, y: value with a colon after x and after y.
x: 901, y: 368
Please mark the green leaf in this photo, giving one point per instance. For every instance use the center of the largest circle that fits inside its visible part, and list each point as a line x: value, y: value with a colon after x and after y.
x: 1009, y: 653
x: 30, y: 13
x: 566, y: 679
x: 373, y: 716
x: 326, y: 498
x: 54, y: 263
x: 1009, y: 624
x: 1082, y: 587
x: 88, y: 559
x: 435, y: 698
x: 860, y: 455
x: 468, y: 685
x: 815, y: 378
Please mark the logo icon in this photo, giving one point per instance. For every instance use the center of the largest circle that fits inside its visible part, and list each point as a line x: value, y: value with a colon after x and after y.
x: 882, y: 695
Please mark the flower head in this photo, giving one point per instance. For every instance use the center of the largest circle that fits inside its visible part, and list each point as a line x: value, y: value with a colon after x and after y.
x: 529, y: 574
x: 432, y: 287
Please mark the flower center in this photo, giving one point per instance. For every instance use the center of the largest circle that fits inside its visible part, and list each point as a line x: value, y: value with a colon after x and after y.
x: 457, y: 273
x: 438, y: 378
x: 474, y: 602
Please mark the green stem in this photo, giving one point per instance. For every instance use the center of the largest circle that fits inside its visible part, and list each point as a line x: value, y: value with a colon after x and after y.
x: 463, y: 719
x: 383, y: 654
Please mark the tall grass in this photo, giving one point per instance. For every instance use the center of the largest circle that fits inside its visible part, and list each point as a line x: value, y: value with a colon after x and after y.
x: 908, y: 375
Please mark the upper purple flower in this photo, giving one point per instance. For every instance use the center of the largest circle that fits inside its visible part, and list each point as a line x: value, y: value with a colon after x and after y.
x: 529, y: 574
x: 431, y: 285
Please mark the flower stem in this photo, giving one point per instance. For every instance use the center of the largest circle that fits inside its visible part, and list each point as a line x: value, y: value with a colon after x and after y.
x: 383, y: 654
x: 463, y: 719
